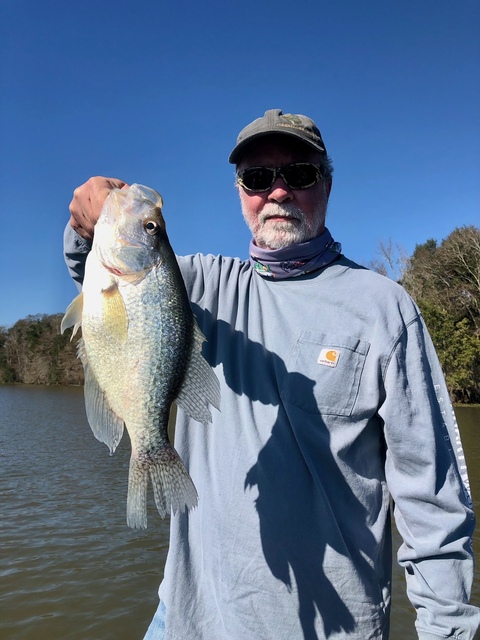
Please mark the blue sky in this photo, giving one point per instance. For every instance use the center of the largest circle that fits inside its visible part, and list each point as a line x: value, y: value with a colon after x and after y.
x: 155, y: 91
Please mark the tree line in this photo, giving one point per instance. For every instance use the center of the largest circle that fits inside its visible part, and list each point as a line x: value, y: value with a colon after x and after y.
x: 443, y: 279
x: 34, y: 352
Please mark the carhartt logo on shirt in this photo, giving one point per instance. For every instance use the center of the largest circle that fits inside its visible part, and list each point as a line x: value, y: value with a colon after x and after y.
x: 328, y: 357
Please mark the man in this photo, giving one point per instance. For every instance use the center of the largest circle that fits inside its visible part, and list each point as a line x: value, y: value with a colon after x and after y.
x: 332, y: 401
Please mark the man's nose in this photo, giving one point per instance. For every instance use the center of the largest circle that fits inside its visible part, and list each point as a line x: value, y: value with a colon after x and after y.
x: 279, y: 191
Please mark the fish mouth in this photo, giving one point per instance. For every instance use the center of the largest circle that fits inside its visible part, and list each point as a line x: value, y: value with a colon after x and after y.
x: 114, y: 270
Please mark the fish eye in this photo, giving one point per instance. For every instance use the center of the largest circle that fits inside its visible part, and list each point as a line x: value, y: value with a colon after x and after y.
x: 151, y: 227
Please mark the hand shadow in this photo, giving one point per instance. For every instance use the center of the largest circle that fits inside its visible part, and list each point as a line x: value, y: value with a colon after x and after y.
x: 291, y: 513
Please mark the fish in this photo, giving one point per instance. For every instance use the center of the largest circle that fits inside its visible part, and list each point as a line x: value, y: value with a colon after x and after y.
x: 141, y: 349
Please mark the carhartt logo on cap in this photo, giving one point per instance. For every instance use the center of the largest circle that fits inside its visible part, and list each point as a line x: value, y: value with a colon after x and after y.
x: 328, y: 357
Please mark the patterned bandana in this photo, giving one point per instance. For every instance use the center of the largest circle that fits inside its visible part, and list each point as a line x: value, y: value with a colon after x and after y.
x: 296, y: 259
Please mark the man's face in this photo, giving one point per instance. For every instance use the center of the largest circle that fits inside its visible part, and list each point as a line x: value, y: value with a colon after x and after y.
x: 283, y: 216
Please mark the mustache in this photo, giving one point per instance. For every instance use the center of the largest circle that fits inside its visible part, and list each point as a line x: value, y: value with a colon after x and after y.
x: 281, y: 211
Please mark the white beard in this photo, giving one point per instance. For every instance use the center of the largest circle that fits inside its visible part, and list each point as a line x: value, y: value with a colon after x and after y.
x: 280, y: 234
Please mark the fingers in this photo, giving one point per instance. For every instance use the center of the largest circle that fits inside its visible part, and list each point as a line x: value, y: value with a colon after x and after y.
x: 87, y: 203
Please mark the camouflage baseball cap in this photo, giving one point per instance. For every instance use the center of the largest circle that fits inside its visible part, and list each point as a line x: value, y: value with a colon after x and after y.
x: 276, y: 122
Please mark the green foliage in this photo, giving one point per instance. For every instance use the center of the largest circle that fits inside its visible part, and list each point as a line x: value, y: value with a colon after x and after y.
x: 444, y: 280
x: 458, y: 349
x: 448, y: 275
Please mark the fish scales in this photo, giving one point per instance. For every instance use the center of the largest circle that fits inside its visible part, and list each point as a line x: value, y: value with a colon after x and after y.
x: 140, y: 348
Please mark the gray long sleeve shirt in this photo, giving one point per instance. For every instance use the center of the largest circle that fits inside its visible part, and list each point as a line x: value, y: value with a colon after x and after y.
x: 333, y: 400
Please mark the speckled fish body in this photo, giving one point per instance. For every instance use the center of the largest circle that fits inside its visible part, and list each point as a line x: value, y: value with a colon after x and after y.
x: 140, y: 348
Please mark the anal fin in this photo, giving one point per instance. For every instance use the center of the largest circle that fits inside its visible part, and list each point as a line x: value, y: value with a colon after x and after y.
x: 105, y: 424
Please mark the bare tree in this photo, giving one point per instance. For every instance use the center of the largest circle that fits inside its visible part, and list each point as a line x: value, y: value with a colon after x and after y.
x: 392, y: 260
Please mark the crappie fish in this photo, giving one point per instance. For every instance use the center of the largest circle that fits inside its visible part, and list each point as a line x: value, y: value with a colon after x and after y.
x: 140, y: 348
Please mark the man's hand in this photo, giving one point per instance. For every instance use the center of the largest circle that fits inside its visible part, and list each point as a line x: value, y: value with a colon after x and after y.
x: 87, y: 203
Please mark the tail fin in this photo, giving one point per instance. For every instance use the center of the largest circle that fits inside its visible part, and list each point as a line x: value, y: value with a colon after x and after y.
x: 173, y: 488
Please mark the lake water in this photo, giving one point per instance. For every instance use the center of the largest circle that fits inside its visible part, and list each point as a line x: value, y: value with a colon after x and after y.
x: 70, y: 569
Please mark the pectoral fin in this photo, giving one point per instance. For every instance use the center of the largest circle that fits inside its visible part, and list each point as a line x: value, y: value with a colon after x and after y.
x: 114, y: 313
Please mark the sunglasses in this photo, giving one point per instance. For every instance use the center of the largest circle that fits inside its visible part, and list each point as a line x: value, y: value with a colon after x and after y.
x: 297, y: 175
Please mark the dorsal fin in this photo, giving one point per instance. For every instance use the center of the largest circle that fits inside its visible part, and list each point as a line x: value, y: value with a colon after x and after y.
x: 73, y: 315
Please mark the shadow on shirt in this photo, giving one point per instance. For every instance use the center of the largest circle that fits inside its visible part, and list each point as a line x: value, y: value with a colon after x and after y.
x: 296, y: 514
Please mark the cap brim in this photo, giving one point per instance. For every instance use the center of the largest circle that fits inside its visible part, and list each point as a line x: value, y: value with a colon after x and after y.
x: 234, y: 156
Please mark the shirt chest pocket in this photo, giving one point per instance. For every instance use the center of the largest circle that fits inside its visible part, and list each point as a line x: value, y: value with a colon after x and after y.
x: 324, y: 373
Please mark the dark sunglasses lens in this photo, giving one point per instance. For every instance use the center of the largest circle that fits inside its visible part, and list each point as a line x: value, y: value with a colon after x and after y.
x: 257, y: 178
x: 301, y: 175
